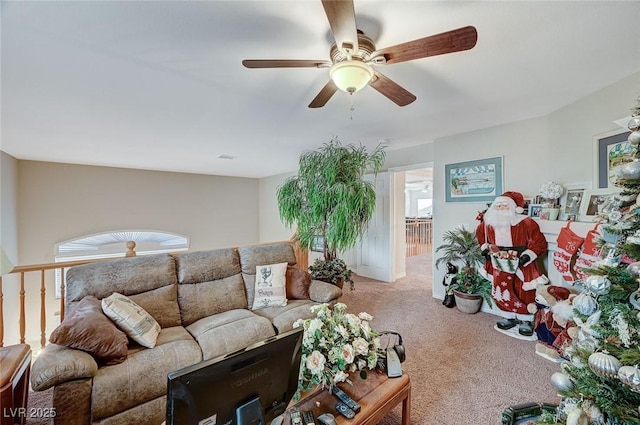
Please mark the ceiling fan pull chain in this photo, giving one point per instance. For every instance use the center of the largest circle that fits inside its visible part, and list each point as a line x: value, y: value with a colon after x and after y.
x: 351, y: 108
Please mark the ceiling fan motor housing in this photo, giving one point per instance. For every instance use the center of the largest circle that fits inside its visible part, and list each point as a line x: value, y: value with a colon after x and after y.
x: 366, y: 47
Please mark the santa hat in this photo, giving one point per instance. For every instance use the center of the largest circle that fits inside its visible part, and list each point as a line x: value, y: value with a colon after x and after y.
x: 514, y: 199
x: 560, y: 293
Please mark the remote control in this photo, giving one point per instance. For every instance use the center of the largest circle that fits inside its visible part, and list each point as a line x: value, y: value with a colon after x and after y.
x: 345, y: 410
x: 296, y: 419
x: 307, y: 418
x: 344, y: 397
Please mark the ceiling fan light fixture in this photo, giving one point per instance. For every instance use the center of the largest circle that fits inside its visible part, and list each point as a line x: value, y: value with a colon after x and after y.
x: 351, y: 75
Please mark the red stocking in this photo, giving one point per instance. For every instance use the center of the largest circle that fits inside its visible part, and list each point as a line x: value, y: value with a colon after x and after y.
x: 589, y: 254
x: 568, y: 245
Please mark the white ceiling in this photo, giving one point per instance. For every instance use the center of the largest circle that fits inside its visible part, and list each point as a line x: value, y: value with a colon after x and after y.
x: 159, y: 84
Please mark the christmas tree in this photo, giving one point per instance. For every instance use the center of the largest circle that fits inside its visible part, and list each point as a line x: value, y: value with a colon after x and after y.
x: 600, y: 381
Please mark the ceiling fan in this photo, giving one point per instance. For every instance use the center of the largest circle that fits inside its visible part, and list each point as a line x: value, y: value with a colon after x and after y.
x: 354, y: 55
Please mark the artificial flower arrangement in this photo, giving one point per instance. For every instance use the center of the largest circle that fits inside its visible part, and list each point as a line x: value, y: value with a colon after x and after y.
x: 335, y: 343
x: 551, y: 191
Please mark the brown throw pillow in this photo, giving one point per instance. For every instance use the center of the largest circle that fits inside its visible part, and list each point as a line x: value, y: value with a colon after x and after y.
x: 298, y: 282
x: 87, y: 328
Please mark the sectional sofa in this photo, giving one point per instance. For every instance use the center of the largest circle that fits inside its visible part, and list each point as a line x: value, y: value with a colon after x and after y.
x: 203, y: 304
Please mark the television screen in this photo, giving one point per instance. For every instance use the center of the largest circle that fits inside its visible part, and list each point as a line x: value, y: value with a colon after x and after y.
x: 250, y: 386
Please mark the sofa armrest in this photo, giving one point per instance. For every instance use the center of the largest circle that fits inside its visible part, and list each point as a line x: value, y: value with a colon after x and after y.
x: 57, y: 364
x: 323, y: 292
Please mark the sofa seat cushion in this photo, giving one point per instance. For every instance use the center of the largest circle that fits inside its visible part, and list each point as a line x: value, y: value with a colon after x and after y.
x: 229, y: 331
x: 143, y: 376
x: 283, y: 317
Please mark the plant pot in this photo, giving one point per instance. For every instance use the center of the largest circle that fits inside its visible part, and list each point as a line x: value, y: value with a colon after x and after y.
x: 468, y: 303
x: 550, y: 214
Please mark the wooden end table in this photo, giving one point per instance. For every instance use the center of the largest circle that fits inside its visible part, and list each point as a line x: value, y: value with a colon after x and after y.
x: 377, y: 395
x: 14, y: 383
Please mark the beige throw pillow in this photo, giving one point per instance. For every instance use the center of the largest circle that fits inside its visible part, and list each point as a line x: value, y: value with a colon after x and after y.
x: 132, y: 319
x: 270, y: 286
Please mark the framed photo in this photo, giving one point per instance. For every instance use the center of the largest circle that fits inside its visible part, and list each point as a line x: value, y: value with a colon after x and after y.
x: 473, y: 181
x: 318, y: 244
x: 611, y: 151
x: 534, y: 210
x: 572, y: 199
x: 595, y: 201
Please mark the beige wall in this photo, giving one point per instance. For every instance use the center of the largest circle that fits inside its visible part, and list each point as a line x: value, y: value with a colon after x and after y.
x: 61, y: 201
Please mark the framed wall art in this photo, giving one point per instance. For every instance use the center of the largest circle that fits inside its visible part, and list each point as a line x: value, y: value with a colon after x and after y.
x: 534, y: 210
x: 595, y: 201
x: 611, y: 151
x: 571, y: 200
x: 473, y: 181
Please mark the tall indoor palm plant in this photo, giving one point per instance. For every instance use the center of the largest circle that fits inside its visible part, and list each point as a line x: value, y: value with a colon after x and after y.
x: 329, y: 199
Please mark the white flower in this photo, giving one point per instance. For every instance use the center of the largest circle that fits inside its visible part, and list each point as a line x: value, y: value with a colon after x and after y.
x: 551, y: 190
x: 335, y: 343
x: 340, y: 377
x: 315, y: 362
x: 361, y: 346
x: 314, y: 325
x: 342, y: 331
x: 298, y: 323
x: 366, y: 329
x: 365, y: 316
x: 348, y: 353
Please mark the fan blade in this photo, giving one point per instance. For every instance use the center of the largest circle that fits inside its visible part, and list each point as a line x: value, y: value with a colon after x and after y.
x: 342, y: 20
x: 285, y: 63
x: 447, y: 42
x: 325, y: 94
x: 392, y: 90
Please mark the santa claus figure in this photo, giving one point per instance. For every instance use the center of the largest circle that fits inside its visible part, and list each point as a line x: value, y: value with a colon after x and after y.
x: 511, y: 243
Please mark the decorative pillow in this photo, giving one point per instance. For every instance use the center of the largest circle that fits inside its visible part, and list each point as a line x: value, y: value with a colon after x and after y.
x: 270, y: 286
x: 131, y: 319
x: 86, y: 328
x: 298, y: 282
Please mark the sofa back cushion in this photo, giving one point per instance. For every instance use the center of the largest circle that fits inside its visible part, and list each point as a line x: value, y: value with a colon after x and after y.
x: 128, y: 276
x: 209, y: 282
x: 260, y: 255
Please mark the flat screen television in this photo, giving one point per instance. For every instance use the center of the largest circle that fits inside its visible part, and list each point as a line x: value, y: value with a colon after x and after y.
x: 249, y: 387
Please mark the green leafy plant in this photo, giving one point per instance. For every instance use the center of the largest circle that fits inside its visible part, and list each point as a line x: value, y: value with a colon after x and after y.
x: 469, y: 281
x: 335, y: 343
x: 333, y: 271
x: 461, y: 247
x: 330, y: 199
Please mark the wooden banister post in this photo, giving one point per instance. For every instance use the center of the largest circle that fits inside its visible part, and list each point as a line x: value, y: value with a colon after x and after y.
x: 131, y: 246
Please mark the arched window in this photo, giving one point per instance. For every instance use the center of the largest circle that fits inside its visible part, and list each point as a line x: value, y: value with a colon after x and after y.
x: 116, y: 244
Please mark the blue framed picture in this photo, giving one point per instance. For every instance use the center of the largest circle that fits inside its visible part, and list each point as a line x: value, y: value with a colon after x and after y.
x: 473, y: 181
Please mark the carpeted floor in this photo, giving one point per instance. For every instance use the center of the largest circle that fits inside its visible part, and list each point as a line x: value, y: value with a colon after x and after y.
x: 463, y: 372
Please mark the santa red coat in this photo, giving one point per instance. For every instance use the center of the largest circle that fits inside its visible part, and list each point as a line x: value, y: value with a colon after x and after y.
x: 514, y: 291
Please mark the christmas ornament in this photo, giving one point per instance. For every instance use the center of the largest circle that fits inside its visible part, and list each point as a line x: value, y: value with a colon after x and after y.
x: 585, y: 304
x: 561, y: 381
x: 604, y: 364
x: 593, y: 413
x: 588, y: 344
x: 616, y: 215
x: 630, y: 375
x: 631, y: 170
x: 634, y: 124
x: 635, y: 239
x: 597, y: 284
x: 577, y: 417
x: 634, y: 138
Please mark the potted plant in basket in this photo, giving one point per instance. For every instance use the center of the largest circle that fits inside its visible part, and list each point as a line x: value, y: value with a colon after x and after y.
x: 468, y: 286
x: 330, y: 201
